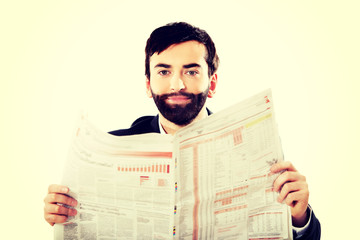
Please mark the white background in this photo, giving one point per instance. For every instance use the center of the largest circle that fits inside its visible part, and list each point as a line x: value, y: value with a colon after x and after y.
x: 60, y: 57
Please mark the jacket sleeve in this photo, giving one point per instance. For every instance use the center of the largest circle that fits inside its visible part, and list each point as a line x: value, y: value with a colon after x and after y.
x: 313, y: 232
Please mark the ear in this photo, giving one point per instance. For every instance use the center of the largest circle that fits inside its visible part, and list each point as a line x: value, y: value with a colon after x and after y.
x: 212, y: 87
x: 148, y: 88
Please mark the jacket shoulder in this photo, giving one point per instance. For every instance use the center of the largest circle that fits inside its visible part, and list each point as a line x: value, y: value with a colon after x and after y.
x: 144, y: 124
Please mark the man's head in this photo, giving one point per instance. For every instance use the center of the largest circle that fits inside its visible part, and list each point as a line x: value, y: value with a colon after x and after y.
x: 181, y: 64
x: 174, y: 33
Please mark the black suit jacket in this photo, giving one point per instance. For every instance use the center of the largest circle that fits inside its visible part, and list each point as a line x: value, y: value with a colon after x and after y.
x: 145, y: 124
x: 150, y: 124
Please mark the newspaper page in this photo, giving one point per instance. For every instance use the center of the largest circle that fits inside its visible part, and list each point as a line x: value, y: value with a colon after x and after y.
x: 124, y: 186
x: 210, y: 181
x: 224, y: 185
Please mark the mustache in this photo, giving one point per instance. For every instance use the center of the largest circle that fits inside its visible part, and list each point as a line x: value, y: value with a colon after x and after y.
x: 177, y: 94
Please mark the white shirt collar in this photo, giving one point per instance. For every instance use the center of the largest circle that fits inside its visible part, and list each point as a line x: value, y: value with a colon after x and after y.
x: 162, y: 131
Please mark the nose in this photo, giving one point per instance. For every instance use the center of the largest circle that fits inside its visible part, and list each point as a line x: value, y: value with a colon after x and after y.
x: 176, y: 83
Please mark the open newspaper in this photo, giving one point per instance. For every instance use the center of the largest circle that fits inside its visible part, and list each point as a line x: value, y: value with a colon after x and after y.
x: 211, y: 180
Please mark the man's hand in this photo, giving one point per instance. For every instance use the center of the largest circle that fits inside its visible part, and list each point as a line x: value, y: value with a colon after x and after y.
x: 54, y: 211
x: 293, y: 189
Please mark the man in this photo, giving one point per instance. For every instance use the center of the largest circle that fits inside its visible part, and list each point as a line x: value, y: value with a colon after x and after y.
x: 180, y: 69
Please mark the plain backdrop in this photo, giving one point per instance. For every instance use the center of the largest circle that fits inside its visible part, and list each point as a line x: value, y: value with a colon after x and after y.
x: 58, y: 58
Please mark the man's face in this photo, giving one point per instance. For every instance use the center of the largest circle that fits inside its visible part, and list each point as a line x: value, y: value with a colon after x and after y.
x: 179, y: 81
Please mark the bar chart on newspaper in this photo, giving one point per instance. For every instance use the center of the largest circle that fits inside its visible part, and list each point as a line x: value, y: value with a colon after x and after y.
x: 160, y: 168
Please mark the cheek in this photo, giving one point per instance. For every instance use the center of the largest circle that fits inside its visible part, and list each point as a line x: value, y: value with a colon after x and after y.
x: 157, y: 86
x: 198, y: 86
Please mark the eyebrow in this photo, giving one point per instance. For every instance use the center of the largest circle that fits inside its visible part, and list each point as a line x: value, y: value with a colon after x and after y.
x: 162, y: 65
x: 191, y: 65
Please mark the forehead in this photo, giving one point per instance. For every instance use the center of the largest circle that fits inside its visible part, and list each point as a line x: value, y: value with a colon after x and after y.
x: 181, y: 54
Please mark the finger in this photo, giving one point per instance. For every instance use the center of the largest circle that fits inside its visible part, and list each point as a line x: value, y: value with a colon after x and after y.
x: 53, y: 218
x: 55, y: 188
x: 281, y: 166
x: 287, y: 177
x: 60, y: 198
x: 59, y: 210
x: 298, y: 201
x: 291, y: 187
x: 297, y: 197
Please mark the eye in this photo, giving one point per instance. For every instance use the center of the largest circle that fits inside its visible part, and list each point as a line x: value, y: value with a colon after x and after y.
x: 164, y: 72
x: 192, y: 73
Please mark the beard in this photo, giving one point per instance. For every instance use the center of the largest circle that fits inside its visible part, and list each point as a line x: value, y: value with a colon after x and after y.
x: 181, y: 114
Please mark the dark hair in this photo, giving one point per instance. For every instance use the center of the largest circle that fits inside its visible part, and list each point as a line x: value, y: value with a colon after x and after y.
x: 178, y: 32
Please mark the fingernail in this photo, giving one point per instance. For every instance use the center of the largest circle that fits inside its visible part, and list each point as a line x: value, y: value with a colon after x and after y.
x: 64, y: 189
x: 74, y: 203
x: 73, y: 212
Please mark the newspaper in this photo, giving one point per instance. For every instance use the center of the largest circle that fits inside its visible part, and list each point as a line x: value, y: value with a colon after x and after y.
x: 211, y: 180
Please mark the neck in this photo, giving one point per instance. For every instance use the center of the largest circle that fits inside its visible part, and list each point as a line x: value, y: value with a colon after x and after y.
x: 172, y: 128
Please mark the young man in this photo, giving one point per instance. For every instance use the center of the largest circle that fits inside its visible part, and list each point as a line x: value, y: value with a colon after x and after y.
x: 181, y: 64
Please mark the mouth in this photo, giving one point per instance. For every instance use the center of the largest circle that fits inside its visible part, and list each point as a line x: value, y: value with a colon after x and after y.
x: 178, y: 99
